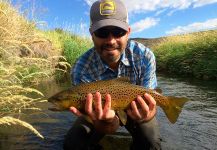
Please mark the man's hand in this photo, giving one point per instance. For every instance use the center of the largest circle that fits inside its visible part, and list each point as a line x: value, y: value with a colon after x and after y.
x: 142, y: 110
x: 104, y: 118
x: 99, y: 113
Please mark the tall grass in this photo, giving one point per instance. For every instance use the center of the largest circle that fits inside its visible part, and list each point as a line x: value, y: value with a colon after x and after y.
x: 75, y: 46
x: 192, y: 55
x: 72, y: 46
x: 26, y: 58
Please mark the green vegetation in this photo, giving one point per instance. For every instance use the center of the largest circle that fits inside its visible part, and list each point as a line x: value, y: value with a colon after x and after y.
x: 191, y: 55
x: 22, y: 63
x: 28, y: 56
x: 74, y: 47
x: 71, y: 46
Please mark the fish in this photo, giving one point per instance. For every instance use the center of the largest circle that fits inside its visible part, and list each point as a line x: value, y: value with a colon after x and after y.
x: 122, y: 92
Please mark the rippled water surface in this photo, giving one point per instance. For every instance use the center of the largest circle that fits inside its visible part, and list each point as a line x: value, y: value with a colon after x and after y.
x: 196, y: 127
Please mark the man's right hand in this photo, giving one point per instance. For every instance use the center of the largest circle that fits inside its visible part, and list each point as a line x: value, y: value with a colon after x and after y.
x: 103, y: 118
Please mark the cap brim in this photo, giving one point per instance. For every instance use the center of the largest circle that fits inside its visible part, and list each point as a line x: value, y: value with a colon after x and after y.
x: 109, y: 22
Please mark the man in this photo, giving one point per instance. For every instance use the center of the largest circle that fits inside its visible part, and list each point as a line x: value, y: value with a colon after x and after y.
x: 112, y: 56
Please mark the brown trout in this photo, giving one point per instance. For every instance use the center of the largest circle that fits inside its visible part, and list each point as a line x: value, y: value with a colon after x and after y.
x: 122, y: 93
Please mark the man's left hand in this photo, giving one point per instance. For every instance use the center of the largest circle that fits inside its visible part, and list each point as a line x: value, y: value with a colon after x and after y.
x: 142, y: 110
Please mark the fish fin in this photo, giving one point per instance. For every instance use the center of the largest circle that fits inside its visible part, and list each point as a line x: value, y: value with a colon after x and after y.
x: 123, y: 79
x: 174, y: 108
x: 158, y: 90
x: 122, y: 116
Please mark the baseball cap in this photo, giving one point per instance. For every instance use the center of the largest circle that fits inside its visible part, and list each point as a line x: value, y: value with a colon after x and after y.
x: 108, y: 13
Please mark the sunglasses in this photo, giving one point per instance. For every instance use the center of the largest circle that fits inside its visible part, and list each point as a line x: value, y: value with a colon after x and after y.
x: 105, y: 32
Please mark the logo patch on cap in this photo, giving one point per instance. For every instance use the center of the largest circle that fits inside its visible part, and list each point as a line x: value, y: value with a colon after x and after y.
x: 107, y: 8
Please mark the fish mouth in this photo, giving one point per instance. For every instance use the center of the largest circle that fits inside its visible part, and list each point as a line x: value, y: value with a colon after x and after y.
x: 54, y: 107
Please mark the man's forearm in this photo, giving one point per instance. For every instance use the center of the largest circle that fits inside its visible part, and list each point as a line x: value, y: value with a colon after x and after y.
x: 107, y: 127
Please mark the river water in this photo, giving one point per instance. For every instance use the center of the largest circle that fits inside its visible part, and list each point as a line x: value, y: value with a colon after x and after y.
x: 195, y: 129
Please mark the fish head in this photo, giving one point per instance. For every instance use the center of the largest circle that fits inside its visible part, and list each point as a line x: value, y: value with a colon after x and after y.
x: 60, y: 101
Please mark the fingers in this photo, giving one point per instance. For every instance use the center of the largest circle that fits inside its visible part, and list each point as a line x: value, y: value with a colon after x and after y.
x: 107, y: 105
x: 135, y: 110
x: 143, y: 105
x: 151, y: 101
x: 142, y: 109
x: 108, y: 113
x: 139, y: 109
x: 75, y: 111
x: 98, y: 105
x: 98, y: 112
x: 88, y: 104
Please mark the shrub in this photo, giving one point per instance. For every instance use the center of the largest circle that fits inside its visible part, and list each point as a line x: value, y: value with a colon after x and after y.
x: 190, y: 55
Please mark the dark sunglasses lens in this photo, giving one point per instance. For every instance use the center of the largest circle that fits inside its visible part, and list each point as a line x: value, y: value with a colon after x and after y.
x: 104, y: 33
x: 117, y: 32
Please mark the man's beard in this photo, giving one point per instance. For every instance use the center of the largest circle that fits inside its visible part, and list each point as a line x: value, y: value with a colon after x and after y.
x: 111, y: 58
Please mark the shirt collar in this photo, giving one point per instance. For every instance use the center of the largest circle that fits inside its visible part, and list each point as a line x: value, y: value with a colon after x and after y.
x: 101, y: 66
x: 124, y: 58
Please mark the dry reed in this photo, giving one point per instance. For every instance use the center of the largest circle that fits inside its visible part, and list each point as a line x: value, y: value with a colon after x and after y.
x: 26, y: 57
x: 9, y: 121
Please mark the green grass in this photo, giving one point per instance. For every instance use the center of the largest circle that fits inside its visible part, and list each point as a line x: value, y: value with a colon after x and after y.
x: 27, y: 57
x: 75, y: 47
x: 191, y: 55
x: 71, y: 46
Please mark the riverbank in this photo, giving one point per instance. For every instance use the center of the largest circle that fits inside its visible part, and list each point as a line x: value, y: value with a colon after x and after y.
x: 190, y: 55
x: 28, y: 56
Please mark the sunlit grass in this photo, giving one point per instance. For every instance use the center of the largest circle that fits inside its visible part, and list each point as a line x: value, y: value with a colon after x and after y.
x: 10, y: 121
x: 74, y: 47
x: 27, y: 56
x: 71, y: 46
x: 191, y: 55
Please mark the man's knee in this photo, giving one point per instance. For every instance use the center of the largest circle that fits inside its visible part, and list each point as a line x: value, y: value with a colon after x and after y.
x: 146, y: 136
x: 75, y: 138
x: 78, y: 135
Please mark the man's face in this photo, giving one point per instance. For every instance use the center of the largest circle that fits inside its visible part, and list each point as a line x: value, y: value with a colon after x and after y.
x: 110, y: 42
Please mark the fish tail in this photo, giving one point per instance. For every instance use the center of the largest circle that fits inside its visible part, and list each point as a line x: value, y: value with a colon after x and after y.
x: 174, y: 108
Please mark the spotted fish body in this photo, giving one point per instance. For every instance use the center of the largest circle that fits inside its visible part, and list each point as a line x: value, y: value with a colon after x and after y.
x: 122, y: 93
